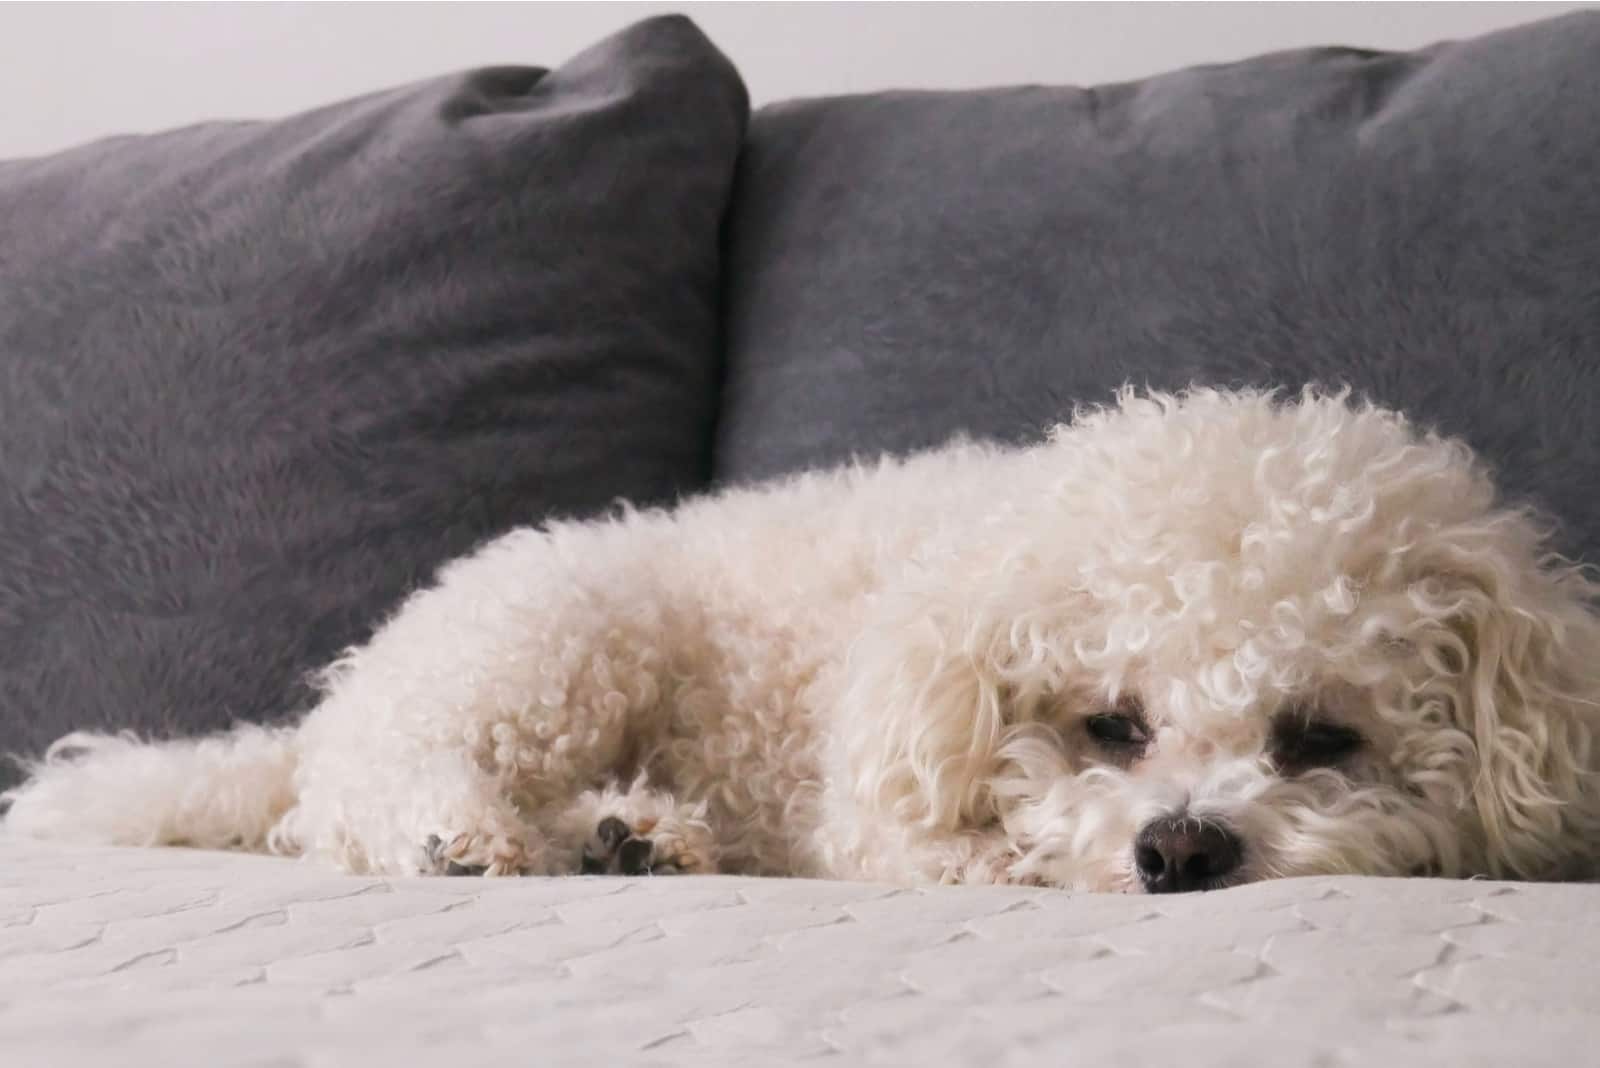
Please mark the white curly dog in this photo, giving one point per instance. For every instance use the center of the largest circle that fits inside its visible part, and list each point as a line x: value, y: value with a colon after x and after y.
x: 1189, y: 641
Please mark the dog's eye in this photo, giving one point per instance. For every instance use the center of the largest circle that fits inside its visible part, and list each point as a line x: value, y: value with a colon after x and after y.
x: 1299, y: 745
x: 1122, y: 729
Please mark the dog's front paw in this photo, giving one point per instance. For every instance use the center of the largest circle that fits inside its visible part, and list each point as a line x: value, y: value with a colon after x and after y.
x: 664, y: 847
x: 475, y: 854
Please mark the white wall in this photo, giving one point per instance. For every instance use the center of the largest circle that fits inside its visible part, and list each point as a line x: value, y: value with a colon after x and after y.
x: 71, y: 72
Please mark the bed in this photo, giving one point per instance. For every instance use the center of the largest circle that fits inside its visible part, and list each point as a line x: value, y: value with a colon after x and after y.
x: 174, y: 958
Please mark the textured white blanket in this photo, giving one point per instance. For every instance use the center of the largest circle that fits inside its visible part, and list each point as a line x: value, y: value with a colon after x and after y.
x: 174, y: 958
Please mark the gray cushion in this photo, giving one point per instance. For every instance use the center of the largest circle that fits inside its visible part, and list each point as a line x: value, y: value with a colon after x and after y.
x: 1424, y: 227
x: 260, y: 379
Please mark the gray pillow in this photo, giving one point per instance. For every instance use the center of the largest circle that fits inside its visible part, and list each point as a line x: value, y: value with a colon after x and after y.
x: 1423, y: 227
x: 260, y: 379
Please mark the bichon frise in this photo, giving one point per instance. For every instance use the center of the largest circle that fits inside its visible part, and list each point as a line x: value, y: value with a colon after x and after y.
x: 1188, y: 642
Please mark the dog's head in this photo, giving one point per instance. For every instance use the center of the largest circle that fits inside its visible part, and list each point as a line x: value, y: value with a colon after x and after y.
x: 1216, y: 638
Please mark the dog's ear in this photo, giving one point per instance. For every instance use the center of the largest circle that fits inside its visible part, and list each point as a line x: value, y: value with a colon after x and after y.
x: 1517, y: 647
x: 923, y: 704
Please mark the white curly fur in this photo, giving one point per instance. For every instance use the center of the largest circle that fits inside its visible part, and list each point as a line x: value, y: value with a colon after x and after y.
x: 886, y: 671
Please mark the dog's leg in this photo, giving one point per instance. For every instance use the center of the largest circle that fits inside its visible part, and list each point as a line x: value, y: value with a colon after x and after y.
x: 535, y: 670
x: 632, y: 830
x: 410, y: 813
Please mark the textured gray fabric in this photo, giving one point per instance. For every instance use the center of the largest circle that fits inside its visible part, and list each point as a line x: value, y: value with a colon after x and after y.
x: 1423, y: 227
x: 259, y: 379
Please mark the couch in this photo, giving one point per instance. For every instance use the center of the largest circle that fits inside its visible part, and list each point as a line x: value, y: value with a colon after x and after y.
x: 260, y: 379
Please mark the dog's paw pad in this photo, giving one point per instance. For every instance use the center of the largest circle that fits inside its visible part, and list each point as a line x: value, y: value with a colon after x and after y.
x: 634, y: 856
x: 618, y: 849
x: 612, y: 832
x: 433, y: 849
x: 614, y: 850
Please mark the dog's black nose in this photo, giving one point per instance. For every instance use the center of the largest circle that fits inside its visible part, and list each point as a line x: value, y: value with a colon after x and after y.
x: 1176, y: 854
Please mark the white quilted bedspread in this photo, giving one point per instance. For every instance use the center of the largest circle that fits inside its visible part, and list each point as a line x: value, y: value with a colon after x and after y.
x: 174, y: 958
